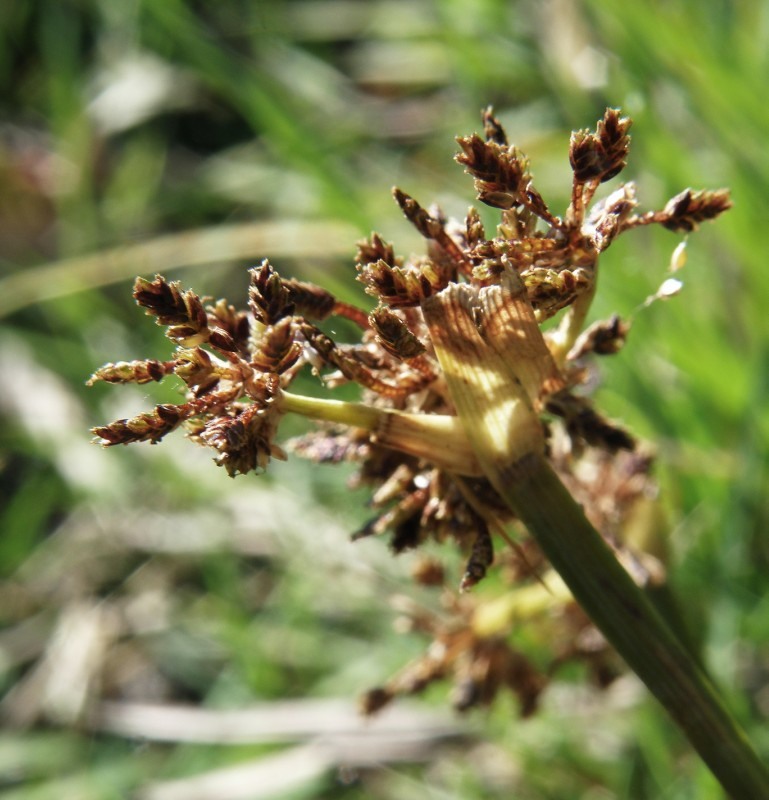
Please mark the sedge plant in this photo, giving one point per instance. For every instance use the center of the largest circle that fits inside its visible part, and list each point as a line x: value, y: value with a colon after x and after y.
x: 474, y: 425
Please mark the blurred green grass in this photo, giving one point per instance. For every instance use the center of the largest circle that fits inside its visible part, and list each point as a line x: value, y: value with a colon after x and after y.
x: 122, y: 122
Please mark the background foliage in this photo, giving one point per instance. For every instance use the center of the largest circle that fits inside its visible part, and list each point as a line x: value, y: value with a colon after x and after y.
x: 151, y: 570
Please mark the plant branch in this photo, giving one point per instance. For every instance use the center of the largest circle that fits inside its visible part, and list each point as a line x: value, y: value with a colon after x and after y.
x: 437, y: 437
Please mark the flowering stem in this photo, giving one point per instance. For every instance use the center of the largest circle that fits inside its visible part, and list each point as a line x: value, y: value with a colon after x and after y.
x: 622, y: 612
x: 626, y: 617
x: 437, y: 437
x: 465, y: 330
x: 357, y: 415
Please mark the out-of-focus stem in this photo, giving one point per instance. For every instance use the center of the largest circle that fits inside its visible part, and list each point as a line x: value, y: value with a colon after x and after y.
x: 495, y: 617
x: 201, y: 246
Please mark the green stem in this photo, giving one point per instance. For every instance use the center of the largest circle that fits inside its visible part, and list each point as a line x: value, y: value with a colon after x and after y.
x: 356, y: 415
x: 627, y: 619
x: 490, y: 355
x: 437, y: 437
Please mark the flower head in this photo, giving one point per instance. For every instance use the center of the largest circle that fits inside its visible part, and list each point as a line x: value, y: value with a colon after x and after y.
x: 465, y: 314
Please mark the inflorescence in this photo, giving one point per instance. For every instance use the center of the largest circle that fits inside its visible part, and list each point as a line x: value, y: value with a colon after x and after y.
x: 237, y: 366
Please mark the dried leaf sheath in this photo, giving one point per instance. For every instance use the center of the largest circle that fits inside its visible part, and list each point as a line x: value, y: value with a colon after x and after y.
x: 496, y: 365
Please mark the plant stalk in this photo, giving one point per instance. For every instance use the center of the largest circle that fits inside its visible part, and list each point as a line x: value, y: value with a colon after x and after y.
x: 437, y: 437
x: 625, y: 616
x: 494, y: 361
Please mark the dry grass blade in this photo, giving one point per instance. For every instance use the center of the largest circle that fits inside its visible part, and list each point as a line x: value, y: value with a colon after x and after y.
x: 61, y: 683
x: 291, y: 770
x: 337, y: 736
x: 282, y: 721
x: 259, y: 779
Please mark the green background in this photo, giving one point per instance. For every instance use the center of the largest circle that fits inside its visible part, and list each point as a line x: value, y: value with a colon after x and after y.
x: 168, y: 582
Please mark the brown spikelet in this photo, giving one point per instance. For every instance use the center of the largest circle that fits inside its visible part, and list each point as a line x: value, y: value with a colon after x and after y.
x: 502, y: 178
x: 492, y: 128
x: 613, y: 135
x: 601, y: 155
x: 375, y: 700
x: 428, y: 572
x: 150, y: 426
x: 687, y: 210
x: 392, y: 334
x: 584, y: 156
x: 268, y: 298
x: 374, y: 249
x: 481, y: 557
x: 309, y: 300
x: 609, y: 218
x: 550, y: 290
x: 414, y: 678
x: 422, y: 220
x: 354, y: 370
x: 195, y: 368
x: 500, y: 172
x: 401, y: 287
x: 181, y: 311
x: 221, y: 340
x: 131, y: 372
x: 445, y: 253
x: 474, y: 230
x: 224, y: 317
x: 327, y: 447
x: 244, y: 440
x: 604, y: 337
x: 277, y: 350
x: 586, y: 426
